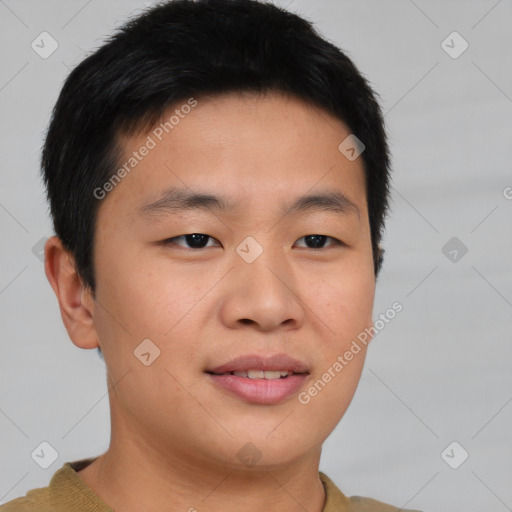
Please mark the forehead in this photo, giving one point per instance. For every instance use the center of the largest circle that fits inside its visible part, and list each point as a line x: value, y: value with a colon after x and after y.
x: 249, y: 148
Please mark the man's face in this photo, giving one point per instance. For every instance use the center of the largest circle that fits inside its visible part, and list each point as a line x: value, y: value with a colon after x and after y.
x: 252, y: 281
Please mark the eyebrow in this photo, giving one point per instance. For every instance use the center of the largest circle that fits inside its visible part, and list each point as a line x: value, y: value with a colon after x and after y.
x: 176, y: 200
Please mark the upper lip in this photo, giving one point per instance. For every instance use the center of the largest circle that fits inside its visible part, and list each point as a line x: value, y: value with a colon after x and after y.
x: 257, y: 362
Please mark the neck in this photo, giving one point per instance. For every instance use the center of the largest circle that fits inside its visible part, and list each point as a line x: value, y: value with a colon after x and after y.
x: 137, y: 475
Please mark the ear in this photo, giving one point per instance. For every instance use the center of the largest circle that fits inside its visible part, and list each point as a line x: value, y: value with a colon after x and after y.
x: 75, y: 300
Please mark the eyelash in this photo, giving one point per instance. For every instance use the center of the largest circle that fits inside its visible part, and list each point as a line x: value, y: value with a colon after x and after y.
x: 170, y: 241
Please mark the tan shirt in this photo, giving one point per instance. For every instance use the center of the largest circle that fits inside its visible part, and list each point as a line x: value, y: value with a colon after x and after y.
x: 67, y: 492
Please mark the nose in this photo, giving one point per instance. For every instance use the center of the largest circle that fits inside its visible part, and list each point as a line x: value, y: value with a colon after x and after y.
x: 263, y: 294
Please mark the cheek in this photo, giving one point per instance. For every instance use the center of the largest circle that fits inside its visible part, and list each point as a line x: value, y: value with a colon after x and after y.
x: 332, y: 386
x: 146, y: 298
x: 343, y: 301
x: 346, y: 308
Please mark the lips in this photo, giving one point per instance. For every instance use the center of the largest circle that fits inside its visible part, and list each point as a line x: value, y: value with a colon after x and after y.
x: 254, y: 379
x: 279, y: 362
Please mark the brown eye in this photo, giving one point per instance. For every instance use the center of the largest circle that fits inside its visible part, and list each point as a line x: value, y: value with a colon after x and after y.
x: 318, y: 241
x: 193, y: 240
x: 200, y: 241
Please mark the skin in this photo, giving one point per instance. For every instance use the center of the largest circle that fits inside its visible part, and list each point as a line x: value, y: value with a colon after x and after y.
x: 175, y: 435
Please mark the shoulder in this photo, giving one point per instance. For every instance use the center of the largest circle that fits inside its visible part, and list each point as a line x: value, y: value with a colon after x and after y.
x: 360, y: 504
x: 336, y: 501
x: 66, y: 491
x: 35, y: 500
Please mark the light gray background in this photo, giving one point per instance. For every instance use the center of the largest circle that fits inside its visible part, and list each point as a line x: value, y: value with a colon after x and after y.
x: 439, y: 372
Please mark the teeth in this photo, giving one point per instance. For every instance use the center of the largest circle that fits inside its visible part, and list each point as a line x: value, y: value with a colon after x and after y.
x: 260, y: 374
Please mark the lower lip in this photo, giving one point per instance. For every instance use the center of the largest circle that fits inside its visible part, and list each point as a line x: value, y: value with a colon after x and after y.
x: 260, y: 391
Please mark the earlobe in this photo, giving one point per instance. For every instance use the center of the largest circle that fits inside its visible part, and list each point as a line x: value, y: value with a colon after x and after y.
x: 76, y: 311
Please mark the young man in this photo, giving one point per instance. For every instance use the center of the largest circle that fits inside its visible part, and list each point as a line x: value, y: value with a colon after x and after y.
x: 218, y: 180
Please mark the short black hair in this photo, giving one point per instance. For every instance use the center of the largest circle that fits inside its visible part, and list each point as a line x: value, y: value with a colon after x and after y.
x: 180, y: 49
